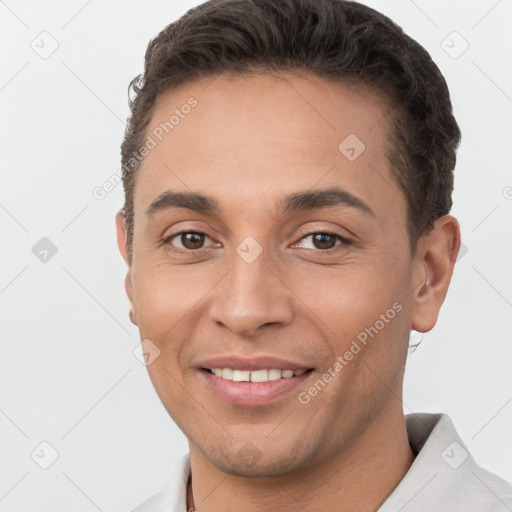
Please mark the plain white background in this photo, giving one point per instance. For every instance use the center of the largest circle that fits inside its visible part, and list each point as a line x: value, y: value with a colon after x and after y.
x: 68, y: 374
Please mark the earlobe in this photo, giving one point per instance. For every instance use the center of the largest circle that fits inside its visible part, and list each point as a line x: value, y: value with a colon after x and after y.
x: 123, y: 249
x: 129, y: 292
x: 435, y: 260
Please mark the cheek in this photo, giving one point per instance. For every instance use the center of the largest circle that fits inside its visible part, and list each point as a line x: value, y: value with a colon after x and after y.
x: 179, y: 402
x: 364, y: 321
x: 346, y: 300
x: 166, y: 296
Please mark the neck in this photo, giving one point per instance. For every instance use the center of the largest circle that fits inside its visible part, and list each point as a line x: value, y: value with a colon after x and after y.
x: 359, y: 477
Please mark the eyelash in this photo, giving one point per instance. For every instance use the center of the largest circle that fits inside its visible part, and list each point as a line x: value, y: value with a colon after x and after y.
x: 342, y: 239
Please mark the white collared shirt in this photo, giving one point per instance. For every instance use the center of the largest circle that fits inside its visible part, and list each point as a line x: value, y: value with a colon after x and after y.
x: 443, y: 476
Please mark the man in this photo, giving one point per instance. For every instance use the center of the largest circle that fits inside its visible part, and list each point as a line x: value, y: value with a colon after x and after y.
x: 288, y: 169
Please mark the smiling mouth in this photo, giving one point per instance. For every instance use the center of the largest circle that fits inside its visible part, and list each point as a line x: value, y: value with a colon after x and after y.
x: 263, y: 375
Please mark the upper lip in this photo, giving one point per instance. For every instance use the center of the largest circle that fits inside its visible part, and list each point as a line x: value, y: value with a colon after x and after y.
x: 252, y: 363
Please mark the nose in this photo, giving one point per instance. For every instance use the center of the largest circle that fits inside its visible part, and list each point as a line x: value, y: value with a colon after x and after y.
x: 251, y: 296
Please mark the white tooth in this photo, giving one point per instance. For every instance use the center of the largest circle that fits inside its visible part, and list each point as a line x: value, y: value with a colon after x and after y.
x: 274, y: 374
x: 299, y: 372
x: 241, y: 375
x: 227, y: 373
x: 259, y: 376
x: 217, y: 371
x: 287, y: 374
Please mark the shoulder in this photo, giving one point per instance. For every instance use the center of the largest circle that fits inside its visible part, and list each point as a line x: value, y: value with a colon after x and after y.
x: 152, y: 504
x: 444, y: 475
x: 172, y: 497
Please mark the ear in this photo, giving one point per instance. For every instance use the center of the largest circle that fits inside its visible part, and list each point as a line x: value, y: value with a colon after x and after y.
x: 123, y: 249
x: 436, y: 254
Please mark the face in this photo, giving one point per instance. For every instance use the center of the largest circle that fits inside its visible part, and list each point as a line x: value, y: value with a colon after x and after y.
x: 295, y: 262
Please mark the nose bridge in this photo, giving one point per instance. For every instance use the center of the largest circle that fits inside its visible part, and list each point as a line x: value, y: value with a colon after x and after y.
x: 251, y: 294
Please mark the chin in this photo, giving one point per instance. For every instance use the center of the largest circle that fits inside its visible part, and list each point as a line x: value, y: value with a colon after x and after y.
x: 258, y: 470
x: 251, y: 462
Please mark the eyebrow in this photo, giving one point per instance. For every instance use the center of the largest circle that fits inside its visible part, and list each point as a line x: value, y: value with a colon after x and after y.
x: 300, y: 201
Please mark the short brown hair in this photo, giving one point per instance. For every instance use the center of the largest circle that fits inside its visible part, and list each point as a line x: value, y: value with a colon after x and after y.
x: 335, y: 39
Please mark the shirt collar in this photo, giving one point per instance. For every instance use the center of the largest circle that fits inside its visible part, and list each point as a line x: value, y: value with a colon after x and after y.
x: 443, y: 476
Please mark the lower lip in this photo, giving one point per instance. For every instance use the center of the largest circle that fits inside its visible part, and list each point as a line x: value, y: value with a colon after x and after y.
x: 252, y: 393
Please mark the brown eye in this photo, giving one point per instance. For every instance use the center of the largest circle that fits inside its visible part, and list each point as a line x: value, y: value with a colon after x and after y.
x: 322, y: 241
x: 192, y: 240
x: 186, y: 240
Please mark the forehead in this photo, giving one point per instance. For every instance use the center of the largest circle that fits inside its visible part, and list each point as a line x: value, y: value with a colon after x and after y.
x: 253, y: 139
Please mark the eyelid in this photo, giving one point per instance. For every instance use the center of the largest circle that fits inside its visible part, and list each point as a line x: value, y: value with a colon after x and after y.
x: 344, y: 240
x: 167, y: 239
